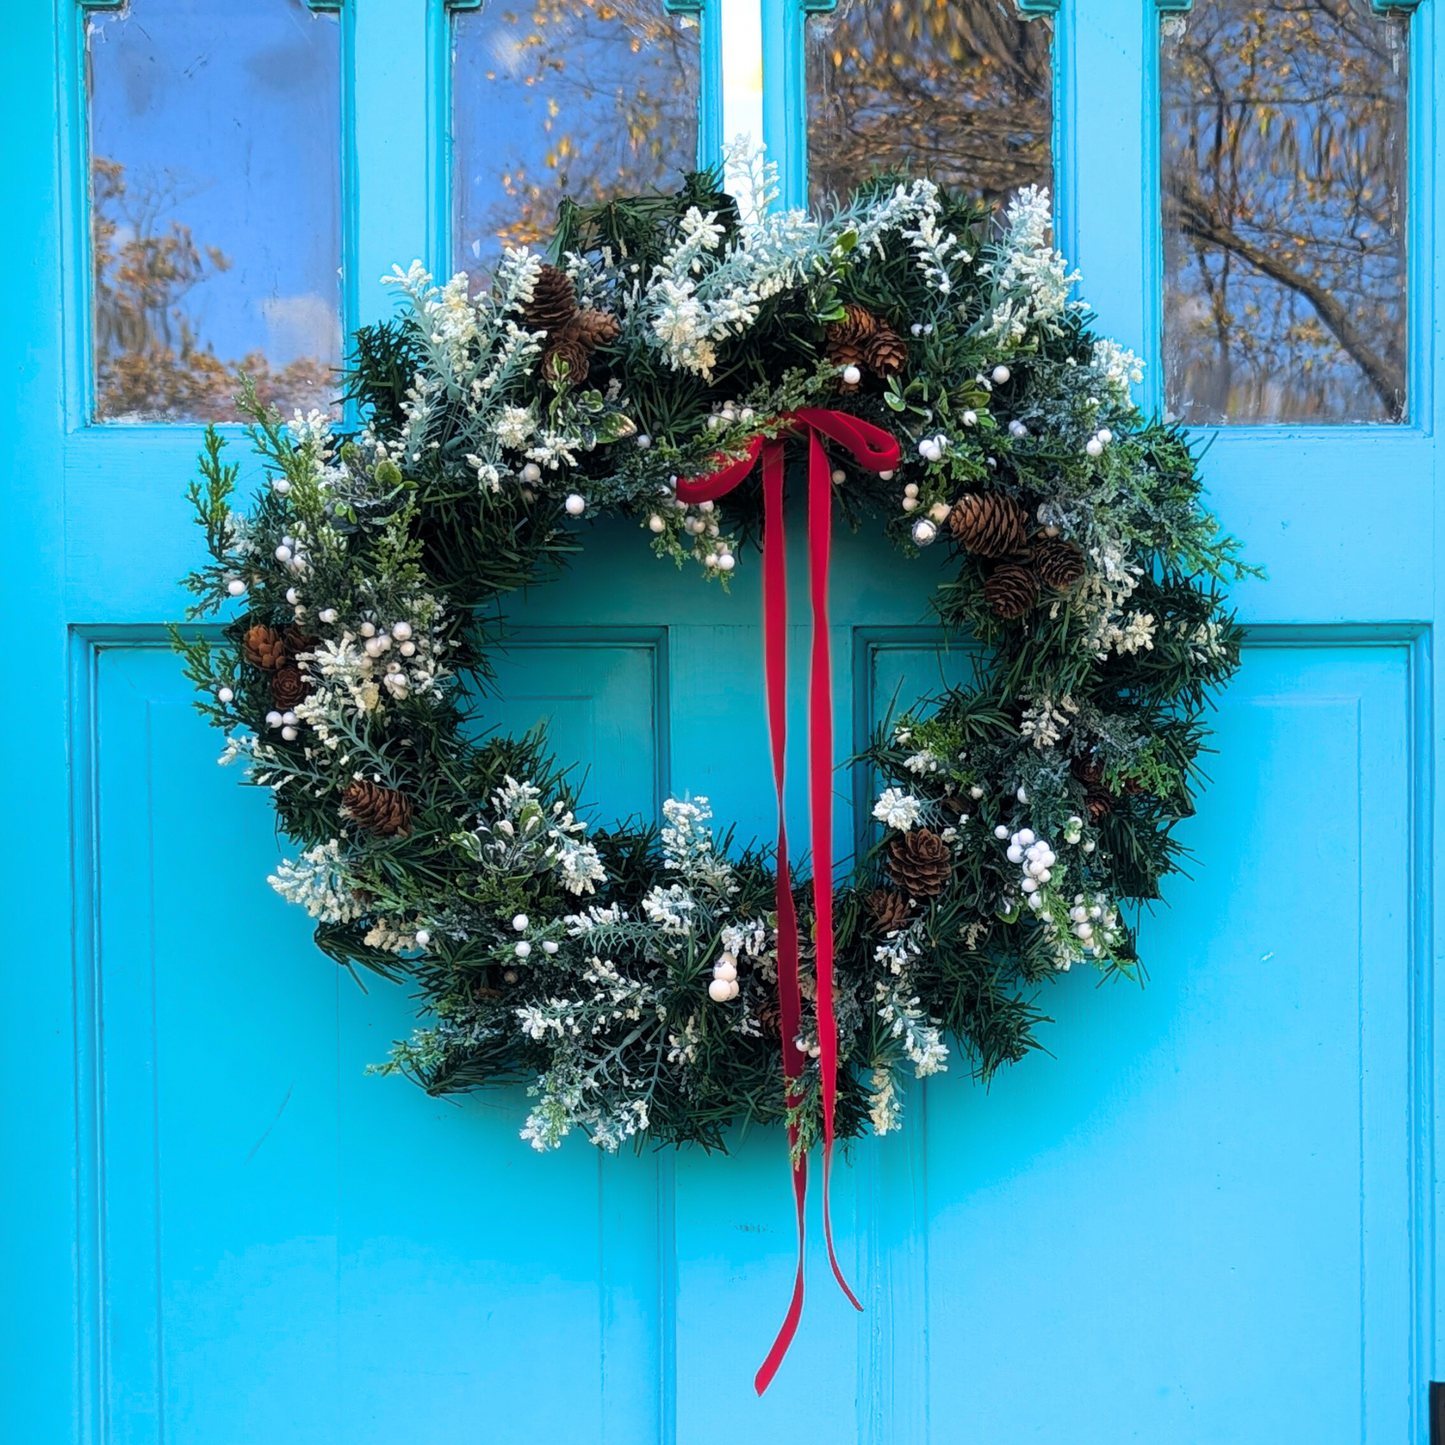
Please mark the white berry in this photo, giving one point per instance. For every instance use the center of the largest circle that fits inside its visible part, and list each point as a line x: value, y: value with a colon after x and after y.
x: 550, y: 947
x: 523, y: 949
x: 225, y: 695
x: 422, y: 938
x: 1015, y: 853
x: 401, y: 631
x: 975, y: 792
x: 1001, y: 374
x: 235, y: 587
x: 726, y: 562
x: 292, y: 596
x: 1094, y: 447
x: 852, y: 375
x: 273, y: 719
x: 885, y: 476
x: 970, y: 418
x: 281, y: 486
x: 1017, y: 429
x: 327, y: 614
x: 289, y: 718
x: 289, y: 733
x: 719, y: 990
x: 283, y: 554
x: 520, y: 922
x: 910, y: 504
x: 408, y: 649
x: 839, y: 476
x: 1000, y: 831
x: 724, y: 970
x: 643, y: 441
x: 656, y: 524
x: 1105, y: 435
x: 531, y: 472
x: 575, y: 505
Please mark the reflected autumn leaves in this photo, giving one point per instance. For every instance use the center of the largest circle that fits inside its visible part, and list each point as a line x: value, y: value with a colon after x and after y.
x: 1284, y: 154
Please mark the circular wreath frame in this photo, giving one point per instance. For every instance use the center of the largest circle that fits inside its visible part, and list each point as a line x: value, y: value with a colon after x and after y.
x: 629, y: 974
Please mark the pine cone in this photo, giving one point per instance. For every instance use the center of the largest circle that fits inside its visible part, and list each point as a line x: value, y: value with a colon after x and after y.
x: 289, y: 686
x: 770, y: 1018
x: 553, y: 303
x: 920, y: 863
x: 1088, y: 770
x: 1012, y: 589
x: 593, y: 328
x: 889, y: 908
x: 298, y: 642
x: 989, y: 524
x: 568, y: 355
x: 886, y: 352
x: 853, y: 331
x: 379, y: 810
x: 264, y: 648
x: 1100, y: 803
x: 1059, y: 564
x: 844, y: 355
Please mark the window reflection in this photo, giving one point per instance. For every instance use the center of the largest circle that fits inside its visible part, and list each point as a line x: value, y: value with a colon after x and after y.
x: 582, y: 98
x: 214, y: 141
x: 1284, y: 170
x: 958, y: 88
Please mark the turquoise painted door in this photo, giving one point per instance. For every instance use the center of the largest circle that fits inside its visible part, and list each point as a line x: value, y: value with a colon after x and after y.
x: 1208, y: 1215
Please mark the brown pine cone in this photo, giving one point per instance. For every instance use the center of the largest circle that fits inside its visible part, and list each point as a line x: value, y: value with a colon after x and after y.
x: 379, y: 810
x: 844, y: 355
x: 568, y: 357
x: 920, y: 863
x: 886, y: 352
x: 889, y: 908
x: 1100, y: 803
x: 1011, y: 589
x: 770, y: 1018
x: 264, y: 648
x: 289, y: 686
x: 1088, y: 770
x: 1059, y: 564
x: 593, y: 328
x: 298, y: 642
x: 989, y: 524
x: 553, y: 303
x: 853, y: 331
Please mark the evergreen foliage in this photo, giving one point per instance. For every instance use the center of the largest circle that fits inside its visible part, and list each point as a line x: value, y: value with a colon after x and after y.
x: 582, y: 965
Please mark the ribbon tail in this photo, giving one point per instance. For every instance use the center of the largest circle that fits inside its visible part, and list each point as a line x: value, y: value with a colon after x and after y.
x: 769, y: 1367
x: 790, y: 1009
x: 820, y: 808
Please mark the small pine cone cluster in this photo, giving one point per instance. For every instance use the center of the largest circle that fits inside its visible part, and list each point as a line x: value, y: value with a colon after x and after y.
x: 920, y: 863
x: 275, y: 653
x: 989, y: 524
x: 572, y: 334
x: 380, y: 810
x: 866, y: 341
x: 289, y: 685
x: 995, y: 526
x: 888, y: 908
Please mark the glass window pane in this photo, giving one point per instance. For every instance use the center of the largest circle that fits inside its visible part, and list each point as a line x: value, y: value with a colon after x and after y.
x: 1284, y: 180
x: 215, y: 133
x: 961, y: 89
x: 583, y: 98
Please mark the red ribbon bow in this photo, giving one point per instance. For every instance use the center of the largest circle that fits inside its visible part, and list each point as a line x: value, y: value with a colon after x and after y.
x: 874, y: 449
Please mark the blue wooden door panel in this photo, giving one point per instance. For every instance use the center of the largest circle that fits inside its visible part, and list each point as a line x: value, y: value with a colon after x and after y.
x: 215, y: 1187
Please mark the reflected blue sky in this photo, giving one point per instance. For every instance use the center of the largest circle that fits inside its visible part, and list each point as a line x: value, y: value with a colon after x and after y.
x: 227, y: 119
x: 556, y: 97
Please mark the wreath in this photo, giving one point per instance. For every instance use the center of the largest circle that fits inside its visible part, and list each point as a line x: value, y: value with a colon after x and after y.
x: 651, y: 982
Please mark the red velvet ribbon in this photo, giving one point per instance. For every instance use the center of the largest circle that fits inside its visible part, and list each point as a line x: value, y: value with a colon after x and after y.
x: 874, y: 449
